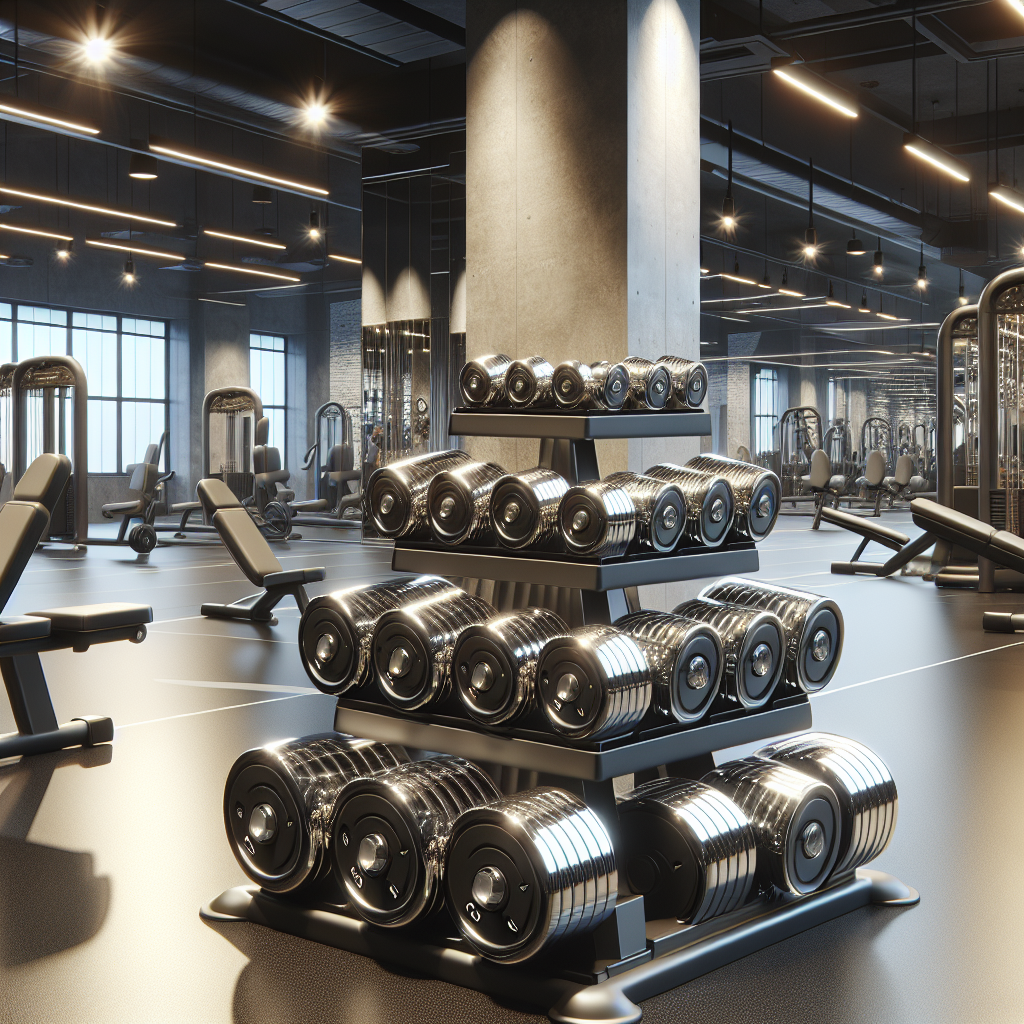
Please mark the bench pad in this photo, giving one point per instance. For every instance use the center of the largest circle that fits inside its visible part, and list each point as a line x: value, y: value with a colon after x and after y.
x: 865, y: 527
x: 291, y: 577
x: 87, y: 618
x: 14, y: 628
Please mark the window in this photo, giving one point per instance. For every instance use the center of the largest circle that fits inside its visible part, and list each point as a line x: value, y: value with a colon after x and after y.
x: 125, y: 363
x: 766, y: 409
x: 267, y: 379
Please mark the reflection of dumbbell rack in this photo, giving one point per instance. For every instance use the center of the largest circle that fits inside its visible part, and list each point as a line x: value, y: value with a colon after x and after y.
x: 627, y: 958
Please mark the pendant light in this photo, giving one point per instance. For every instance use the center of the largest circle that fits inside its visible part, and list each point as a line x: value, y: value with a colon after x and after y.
x: 261, y: 194
x: 143, y: 167
x: 922, y: 273
x: 129, y: 271
x: 855, y: 247
x: 879, y: 267
x: 810, y: 235
x: 729, y: 204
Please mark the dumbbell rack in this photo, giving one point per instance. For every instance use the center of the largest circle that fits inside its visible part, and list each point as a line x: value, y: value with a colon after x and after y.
x: 598, y: 977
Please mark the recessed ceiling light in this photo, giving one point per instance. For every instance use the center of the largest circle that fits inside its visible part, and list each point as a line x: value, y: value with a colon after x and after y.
x: 251, y: 270
x: 266, y: 243
x: 59, y: 200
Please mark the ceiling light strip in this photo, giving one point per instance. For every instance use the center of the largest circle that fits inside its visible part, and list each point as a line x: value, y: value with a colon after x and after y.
x: 251, y: 270
x: 8, y: 110
x: 135, y: 250
x: 251, y: 173
x: 57, y: 200
x: 344, y: 259
x: 267, y: 243
x: 36, y: 231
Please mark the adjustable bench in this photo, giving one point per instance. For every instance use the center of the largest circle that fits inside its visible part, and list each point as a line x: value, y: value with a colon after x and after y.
x: 871, y: 530
x: 24, y: 521
x: 252, y: 554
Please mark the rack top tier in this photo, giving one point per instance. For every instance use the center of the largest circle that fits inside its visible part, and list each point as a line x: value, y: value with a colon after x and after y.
x: 581, y: 426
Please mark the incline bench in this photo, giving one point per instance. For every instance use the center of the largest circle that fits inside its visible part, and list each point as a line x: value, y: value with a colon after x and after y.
x: 252, y: 554
x: 24, y: 521
x: 939, y: 523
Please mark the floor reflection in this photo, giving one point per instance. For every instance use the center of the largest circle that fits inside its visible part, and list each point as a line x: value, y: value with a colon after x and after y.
x: 50, y: 898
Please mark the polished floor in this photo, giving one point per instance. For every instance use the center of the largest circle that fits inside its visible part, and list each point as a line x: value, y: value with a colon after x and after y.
x: 107, y: 854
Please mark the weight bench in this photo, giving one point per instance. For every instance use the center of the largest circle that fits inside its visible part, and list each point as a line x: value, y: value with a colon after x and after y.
x: 252, y: 554
x: 24, y: 521
x: 871, y: 530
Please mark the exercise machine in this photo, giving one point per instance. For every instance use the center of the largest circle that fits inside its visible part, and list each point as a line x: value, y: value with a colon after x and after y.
x: 332, y: 458
x: 252, y: 554
x: 24, y: 522
x: 800, y: 435
x: 147, y: 499
x: 42, y: 389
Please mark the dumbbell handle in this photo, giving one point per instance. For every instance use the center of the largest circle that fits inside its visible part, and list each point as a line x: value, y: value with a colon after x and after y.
x: 1003, y: 622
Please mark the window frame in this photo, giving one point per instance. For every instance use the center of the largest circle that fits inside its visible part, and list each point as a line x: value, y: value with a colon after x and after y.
x: 768, y: 375
x: 282, y: 444
x: 69, y: 328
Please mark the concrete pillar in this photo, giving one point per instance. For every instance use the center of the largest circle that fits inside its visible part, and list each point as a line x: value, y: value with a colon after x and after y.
x: 582, y: 190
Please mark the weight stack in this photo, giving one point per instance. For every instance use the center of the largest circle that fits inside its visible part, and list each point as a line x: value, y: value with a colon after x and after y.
x: 278, y: 799
x: 689, y: 382
x: 650, y: 384
x: 597, y: 519
x: 482, y: 381
x: 335, y: 629
x: 709, y: 503
x: 459, y: 503
x: 528, y: 383
x: 576, y: 385
x: 390, y: 833
x: 813, y: 624
x: 528, y: 871
x: 686, y: 660
x: 660, y: 510
x: 396, y: 495
x: 795, y: 818
x: 868, y: 801
x: 756, y: 490
x: 754, y: 643
x: 494, y: 664
x: 594, y: 682
x: 524, y: 508
x: 412, y: 646
x: 687, y: 849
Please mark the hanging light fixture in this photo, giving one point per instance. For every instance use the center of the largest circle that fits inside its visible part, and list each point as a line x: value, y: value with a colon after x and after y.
x: 863, y: 308
x: 832, y: 300
x: 922, y: 273
x: 314, y: 225
x: 64, y: 249
x: 736, y: 275
x: 811, y: 85
x: 879, y: 267
x: 855, y: 247
x: 1008, y: 197
x: 938, y: 158
x: 784, y: 288
x: 810, y: 235
x: 143, y: 167
x: 729, y: 204
x: 129, y: 271
x: 262, y: 194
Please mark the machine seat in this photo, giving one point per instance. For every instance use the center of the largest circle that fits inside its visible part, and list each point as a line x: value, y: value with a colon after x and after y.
x: 837, y: 482
x: 241, y: 536
x: 290, y: 577
x: 87, y: 618
x: 16, y: 628
x: 123, y: 508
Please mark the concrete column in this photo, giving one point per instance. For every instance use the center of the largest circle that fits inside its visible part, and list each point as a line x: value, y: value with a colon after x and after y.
x: 582, y: 190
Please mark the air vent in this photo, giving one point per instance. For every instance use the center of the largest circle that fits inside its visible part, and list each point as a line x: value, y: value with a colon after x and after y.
x: 726, y: 58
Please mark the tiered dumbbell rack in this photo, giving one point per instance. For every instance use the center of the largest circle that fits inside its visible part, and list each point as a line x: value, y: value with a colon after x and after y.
x: 598, y: 977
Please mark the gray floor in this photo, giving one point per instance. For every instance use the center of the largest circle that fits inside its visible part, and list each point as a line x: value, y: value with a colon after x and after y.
x: 106, y: 855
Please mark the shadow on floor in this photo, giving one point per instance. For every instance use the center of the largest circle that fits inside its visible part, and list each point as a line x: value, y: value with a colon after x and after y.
x: 50, y: 899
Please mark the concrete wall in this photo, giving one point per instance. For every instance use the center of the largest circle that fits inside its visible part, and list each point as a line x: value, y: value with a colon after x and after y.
x: 582, y: 192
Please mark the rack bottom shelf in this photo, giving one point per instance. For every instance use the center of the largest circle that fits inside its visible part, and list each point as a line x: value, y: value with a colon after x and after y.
x: 688, y: 953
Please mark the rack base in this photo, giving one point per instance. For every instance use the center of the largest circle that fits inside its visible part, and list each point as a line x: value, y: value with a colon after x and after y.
x: 691, y: 952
